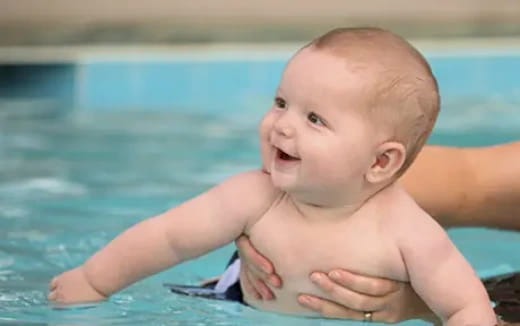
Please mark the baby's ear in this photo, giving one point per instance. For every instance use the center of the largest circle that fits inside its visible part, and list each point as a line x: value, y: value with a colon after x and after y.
x: 389, y: 158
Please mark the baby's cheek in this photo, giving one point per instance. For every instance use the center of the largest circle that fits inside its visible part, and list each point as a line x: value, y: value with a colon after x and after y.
x: 265, y: 151
x: 331, y: 165
x: 264, y: 131
x: 265, y: 126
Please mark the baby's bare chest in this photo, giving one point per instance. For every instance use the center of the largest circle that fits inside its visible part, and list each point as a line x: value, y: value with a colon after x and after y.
x: 297, y: 246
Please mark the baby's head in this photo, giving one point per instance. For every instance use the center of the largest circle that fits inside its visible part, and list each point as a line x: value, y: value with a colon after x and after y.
x: 401, y: 92
x: 358, y: 100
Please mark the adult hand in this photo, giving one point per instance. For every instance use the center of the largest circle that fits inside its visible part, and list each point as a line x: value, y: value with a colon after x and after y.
x: 256, y: 271
x: 353, y: 296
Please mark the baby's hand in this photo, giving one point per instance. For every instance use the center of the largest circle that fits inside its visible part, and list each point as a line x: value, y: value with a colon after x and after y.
x: 73, y: 287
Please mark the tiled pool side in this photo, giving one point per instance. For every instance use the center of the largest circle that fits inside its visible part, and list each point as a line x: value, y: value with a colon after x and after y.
x: 231, y: 81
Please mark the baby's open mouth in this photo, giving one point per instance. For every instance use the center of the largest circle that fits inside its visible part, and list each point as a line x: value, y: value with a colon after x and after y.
x: 286, y: 157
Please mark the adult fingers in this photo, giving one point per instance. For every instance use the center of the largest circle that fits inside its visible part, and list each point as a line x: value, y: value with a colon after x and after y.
x: 346, y: 297
x: 331, y: 309
x: 372, y: 286
x: 252, y: 256
x: 256, y: 263
x: 259, y: 285
x: 389, y: 301
x: 248, y: 285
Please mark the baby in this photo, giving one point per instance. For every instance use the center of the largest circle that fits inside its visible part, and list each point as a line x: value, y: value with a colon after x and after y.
x: 352, y: 110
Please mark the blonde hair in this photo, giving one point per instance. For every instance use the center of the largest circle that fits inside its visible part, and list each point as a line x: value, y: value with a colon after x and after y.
x: 403, y: 96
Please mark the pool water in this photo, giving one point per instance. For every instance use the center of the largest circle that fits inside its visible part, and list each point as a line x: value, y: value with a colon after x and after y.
x: 70, y: 183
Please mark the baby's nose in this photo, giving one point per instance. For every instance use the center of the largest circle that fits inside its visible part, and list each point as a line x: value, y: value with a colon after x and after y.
x: 283, y: 127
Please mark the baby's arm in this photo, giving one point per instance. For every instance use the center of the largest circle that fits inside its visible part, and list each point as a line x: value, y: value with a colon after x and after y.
x: 441, y: 275
x: 191, y: 229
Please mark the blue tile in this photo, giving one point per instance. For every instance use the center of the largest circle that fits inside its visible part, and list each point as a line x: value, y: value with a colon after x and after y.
x: 107, y: 85
x: 217, y: 85
x: 477, y: 75
x: 179, y: 85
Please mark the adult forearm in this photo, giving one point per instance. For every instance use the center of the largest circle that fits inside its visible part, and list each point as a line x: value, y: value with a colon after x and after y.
x: 495, y: 195
x: 438, y: 181
x: 468, y: 186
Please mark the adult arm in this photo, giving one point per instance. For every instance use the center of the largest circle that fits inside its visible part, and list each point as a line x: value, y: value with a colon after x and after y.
x: 468, y: 186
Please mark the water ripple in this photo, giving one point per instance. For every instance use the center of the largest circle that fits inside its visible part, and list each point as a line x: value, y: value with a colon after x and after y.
x: 48, y: 185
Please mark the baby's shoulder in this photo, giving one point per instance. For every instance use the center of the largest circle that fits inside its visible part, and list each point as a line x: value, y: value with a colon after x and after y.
x: 252, y: 191
x: 253, y: 181
x: 405, y: 219
x: 396, y: 206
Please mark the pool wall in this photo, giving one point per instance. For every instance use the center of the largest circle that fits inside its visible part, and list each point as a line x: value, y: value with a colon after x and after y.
x: 230, y: 80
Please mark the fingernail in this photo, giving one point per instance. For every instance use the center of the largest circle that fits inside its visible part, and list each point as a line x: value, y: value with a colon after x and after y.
x: 274, y: 281
x: 304, y: 299
x: 264, y: 293
x: 315, y: 277
x: 334, y: 275
x: 51, y: 296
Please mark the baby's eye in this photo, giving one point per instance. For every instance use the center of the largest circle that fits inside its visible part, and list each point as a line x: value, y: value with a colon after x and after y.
x: 315, y: 119
x: 280, y: 102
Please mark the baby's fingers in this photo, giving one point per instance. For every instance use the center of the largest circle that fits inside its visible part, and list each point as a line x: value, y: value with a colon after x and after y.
x: 53, y: 296
x: 53, y: 283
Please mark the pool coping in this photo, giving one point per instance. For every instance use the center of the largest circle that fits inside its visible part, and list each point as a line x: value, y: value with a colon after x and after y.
x: 230, y: 51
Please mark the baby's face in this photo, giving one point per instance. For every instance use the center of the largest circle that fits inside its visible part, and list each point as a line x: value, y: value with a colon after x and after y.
x: 314, y: 138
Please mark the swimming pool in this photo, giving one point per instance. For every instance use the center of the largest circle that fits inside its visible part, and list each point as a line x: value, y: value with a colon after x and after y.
x: 71, y: 181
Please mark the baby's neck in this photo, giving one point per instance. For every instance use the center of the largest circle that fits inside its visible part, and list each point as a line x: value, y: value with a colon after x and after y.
x: 340, y: 209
